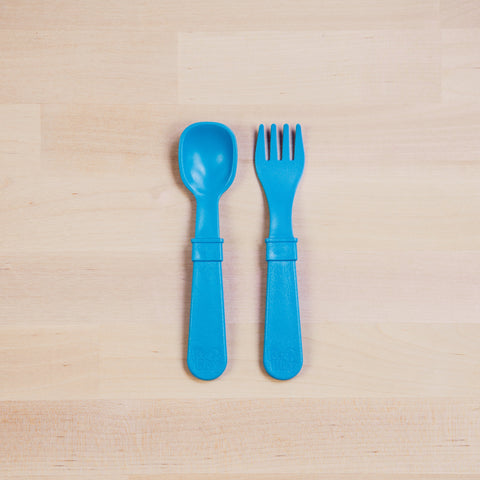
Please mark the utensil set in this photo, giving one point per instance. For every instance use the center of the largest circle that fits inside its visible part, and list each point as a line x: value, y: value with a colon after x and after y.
x: 208, y: 160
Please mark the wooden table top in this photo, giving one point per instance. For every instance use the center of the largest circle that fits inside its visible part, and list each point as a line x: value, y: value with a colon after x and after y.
x: 96, y: 226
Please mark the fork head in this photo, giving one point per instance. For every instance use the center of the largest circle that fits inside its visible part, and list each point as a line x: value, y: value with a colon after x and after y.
x: 279, y: 176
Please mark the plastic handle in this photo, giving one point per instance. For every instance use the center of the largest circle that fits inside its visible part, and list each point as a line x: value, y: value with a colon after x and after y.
x: 282, y: 355
x: 207, y: 348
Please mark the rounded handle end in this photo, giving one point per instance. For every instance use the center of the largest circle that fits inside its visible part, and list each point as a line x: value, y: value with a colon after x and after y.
x: 283, y: 364
x: 206, y: 364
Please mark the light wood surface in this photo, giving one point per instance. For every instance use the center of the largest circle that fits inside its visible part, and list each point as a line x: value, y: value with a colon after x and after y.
x: 95, y: 229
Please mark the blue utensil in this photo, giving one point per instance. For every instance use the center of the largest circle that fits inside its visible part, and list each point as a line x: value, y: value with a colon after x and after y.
x: 207, y: 156
x: 282, y: 354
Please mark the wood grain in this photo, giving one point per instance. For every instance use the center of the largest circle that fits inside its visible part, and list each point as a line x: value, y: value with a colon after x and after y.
x: 323, y: 436
x: 87, y: 66
x: 255, y: 476
x: 461, y: 60
x: 343, y: 67
x: 20, y: 141
x: 95, y: 254
x: 463, y: 14
x: 218, y: 15
x: 141, y: 359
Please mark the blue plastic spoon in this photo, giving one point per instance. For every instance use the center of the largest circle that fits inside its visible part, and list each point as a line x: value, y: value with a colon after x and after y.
x: 207, y: 156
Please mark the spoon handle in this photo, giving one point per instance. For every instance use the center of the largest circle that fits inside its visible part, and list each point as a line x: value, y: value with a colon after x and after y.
x: 207, y: 348
x: 282, y: 355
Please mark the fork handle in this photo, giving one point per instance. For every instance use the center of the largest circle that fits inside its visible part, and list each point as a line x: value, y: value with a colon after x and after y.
x: 282, y: 354
x: 207, y: 350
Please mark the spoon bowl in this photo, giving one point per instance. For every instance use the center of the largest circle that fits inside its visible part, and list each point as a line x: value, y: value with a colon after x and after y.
x: 208, y: 159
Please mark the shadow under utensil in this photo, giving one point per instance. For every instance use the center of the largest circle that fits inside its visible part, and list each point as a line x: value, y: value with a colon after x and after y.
x: 187, y: 255
x: 262, y: 265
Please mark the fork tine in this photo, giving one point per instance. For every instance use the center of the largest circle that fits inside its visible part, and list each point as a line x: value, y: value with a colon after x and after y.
x: 299, y: 153
x: 260, y: 148
x: 286, y: 143
x: 273, y: 143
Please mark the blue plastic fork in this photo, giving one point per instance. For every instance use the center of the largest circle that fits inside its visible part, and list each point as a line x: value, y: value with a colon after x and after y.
x: 282, y: 354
